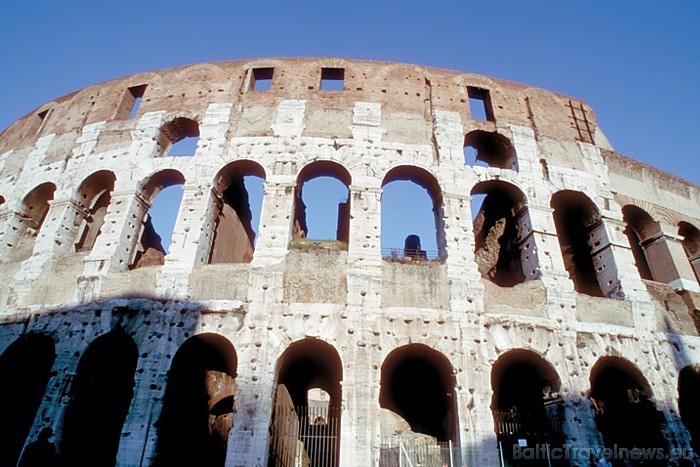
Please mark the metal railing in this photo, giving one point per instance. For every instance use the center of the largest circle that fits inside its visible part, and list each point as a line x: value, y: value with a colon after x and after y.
x: 305, y: 437
x: 400, y: 254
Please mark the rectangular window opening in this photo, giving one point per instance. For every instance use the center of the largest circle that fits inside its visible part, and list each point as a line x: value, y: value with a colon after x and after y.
x: 332, y: 79
x: 480, y: 104
x: 42, y: 117
x: 131, y: 102
x: 262, y: 79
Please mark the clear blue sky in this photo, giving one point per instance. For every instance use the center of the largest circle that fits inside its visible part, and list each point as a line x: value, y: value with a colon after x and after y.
x: 637, y: 63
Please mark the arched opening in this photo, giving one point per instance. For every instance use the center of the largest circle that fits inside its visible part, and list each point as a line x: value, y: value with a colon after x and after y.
x: 411, y: 206
x: 624, y: 413
x: 25, y: 369
x: 322, y: 203
x: 199, y: 403
x: 159, y: 219
x: 505, y: 247
x: 306, y: 415
x: 101, y: 394
x: 651, y: 254
x: 417, y: 385
x: 179, y: 137
x: 527, y: 409
x: 238, y: 189
x: 28, y: 220
x: 585, y: 247
x: 93, y: 197
x: 691, y: 245
x: 688, y: 405
x: 490, y: 149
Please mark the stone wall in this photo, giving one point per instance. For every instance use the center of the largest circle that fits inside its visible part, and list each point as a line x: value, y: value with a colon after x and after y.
x: 389, y: 122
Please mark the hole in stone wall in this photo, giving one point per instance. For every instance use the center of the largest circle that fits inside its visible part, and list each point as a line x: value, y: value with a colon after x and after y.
x: 691, y: 245
x: 93, y: 197
x: 164, y: 190
x: 480, y: 104
x: 306, y: 413
x: 624, y: 412
x: 411, y: 205
x: 545, y: 169
x: 29, y: 220
x: 261, y: 79
x: 490, y: 149
x: 688, y: 406
x: 585, y: 246
x: 103, y: 386
x: 505, y: 250
x: 332, y: 79
x: 179, y: 137
x: 239, y: 190
x: 322, y: 204
x: 417, y: 386
x: 25, y: 370
x: 648, y: 245
x: 38, y: 122
x: 526, y: 404
x: 199, y: 404
x: 131, y: 102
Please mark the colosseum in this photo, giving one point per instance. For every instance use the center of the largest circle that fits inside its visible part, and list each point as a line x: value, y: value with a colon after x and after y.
x: 555, y: 324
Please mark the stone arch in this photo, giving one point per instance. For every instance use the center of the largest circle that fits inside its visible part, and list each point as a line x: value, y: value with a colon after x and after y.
x: 422, y: 179
x: 104, y: 385
x: 198, y: 406
x: 39, y: 119
x: 622, y: 402
x: 176, y: 131
x: 316, y: 170
x: 147, y: 248
x: 234, y: 234
x: 649, y: 248
x: 418, y: 389
x: 491, y: 148
x: 306, y: 365
x: 25, y: 370
x: 92, y: 198
x: 526, y: 402
x: 691, y: 245
x: 504, y: 241
x: 688, y: 406
x: 25, y: 225
x: 586, y: 249
x: 35, y: 205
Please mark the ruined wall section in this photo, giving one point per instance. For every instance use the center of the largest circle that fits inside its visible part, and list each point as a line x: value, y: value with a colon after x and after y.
x: 387, y: 116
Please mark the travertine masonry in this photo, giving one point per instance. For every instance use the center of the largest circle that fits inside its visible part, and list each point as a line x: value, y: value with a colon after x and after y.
x: 563, y: 292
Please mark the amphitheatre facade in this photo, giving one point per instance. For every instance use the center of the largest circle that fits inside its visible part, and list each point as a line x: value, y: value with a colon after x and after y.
x: 562, y: 314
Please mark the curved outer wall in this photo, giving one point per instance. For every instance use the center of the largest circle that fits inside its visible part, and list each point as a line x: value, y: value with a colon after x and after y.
x: 388, y: 115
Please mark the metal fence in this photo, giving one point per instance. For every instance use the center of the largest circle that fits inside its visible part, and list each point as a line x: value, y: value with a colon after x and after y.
x: 400, y: 254
x: 397, y: 452
x: 305, y: 437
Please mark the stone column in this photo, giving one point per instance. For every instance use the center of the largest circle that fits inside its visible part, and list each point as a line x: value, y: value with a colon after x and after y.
x: 114, y: 248
x: 364, y: 271
x: 466, y: 287
x: 191, y: 241
x: 14, y: 226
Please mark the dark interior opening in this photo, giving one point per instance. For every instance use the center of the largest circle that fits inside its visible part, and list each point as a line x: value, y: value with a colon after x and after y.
x: 100, y: 398
x: 198, y: 406
x: 25, y: 369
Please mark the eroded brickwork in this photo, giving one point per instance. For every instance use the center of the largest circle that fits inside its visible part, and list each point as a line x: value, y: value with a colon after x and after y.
x: 545, y: 290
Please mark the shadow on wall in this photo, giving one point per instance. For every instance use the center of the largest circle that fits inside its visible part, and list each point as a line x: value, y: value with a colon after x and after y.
x: 78, y: 381
x: 94, y: 375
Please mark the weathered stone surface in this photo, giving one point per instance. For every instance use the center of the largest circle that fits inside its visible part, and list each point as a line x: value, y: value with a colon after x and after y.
x: 457, y: 329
